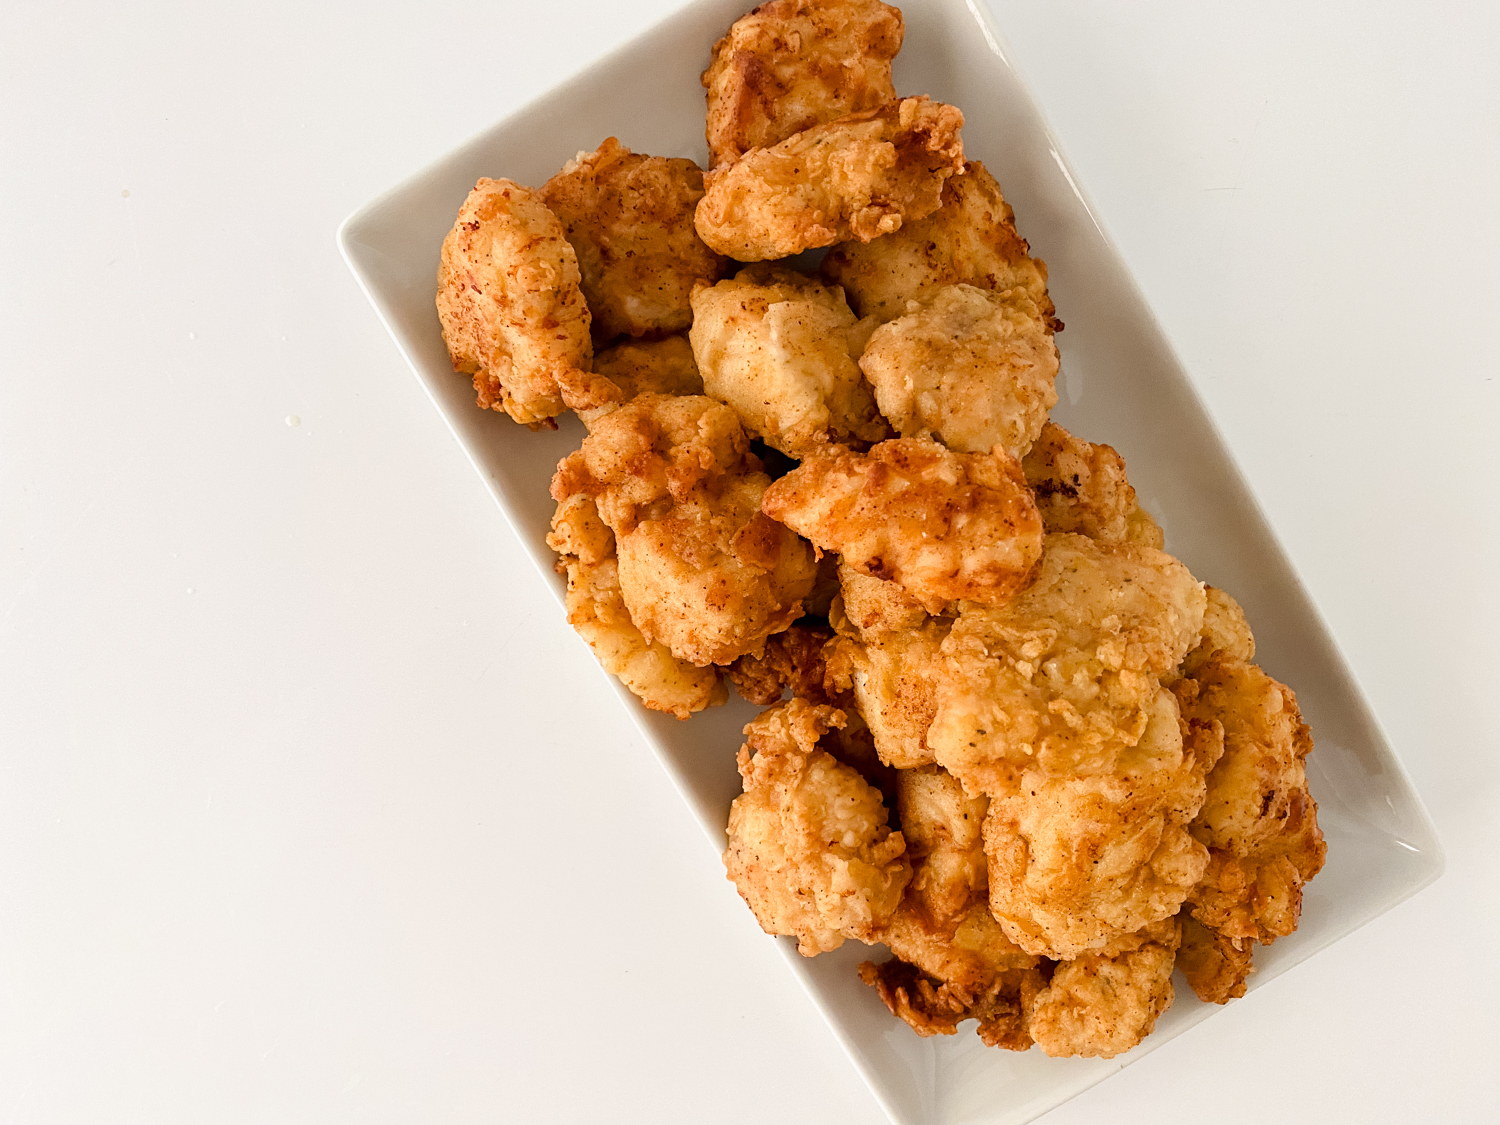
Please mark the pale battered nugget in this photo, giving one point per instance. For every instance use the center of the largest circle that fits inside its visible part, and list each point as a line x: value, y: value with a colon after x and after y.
x: 1101, y: 1004
x: 1081, y: 487
x: 861, y: 176
x: 809, y: 846
x: 509, y: 301
x: 637, y: 367
x: 780, y: 348
x: 701, y: 569
x: 970, y: 367
x: 970, y: 240
x: 943, y: 525
x: 1259, y: 821
x: 596, y: 610
x: 630, y: 219
x: 792, y: 64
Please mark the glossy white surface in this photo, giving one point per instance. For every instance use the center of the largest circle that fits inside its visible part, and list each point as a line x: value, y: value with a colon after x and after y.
x: 311, y: 813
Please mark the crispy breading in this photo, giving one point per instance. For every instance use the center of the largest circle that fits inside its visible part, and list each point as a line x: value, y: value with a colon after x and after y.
x: 630, y: 219
x: 944, y: 839
x: 637, y: 367
x: 792, y: 661
x: 1067, y: 675
x: 1215, y: 968
x: 943, y: 525
x: 970, y: 240
x: 1081, y: 487
x: 792, y: 64
x: 597, y: 612
x: 894, y: 677
x: 809, y: 845
x: 970, y: 367
x: 1225, y: 630
x: 1097, y: 1005
x: 936, y: 981
x: 508, y: 297
x: 701, y: 569
x: 780, y: 348
x: 869, y: 607
x: 861, y: 176
x: 1259, y: 820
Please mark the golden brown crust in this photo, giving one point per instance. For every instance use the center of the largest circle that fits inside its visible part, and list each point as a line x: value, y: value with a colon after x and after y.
x: 701, y: 569
x: 792, y: 661
x: 630, y: 219
x: 970, y: 240
x: 780, y: 348
x: 809, y: 846
x: 943, y: 525
x: 509, y: 300
x: 860, y: 176
x: 792, y: 64
x: 637, y: 367
x: 1081, y: 487
x: 969, y: 367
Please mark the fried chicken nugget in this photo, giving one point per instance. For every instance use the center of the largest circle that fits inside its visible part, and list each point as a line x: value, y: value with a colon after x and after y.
x: 894, y: 678
x: 638, y: 367
x: 792, y: 64
x: 630, y: 219
x: 1081, y: 487
x: 943, y: 525
x: 970, y: 240
x: 509, y: 300
x: 936, y: 981
x: 596, y: 610
x: 1098, y: 1005
x: 780, y: 348
x: 793, y: 661
x: 701, y: 569
x: 1259, y: 821
x: 1225, y: 631
x: 970, y: 367
x: 809, y: 846
x: 943, y: 827
x: 861, y: 176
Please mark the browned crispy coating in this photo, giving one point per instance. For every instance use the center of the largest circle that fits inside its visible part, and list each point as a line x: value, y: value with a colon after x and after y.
x: 1225, y: 631
x: 597, y: 611
x: 809, y: 846
x: 973, y: 368
x: 894, y: 676
x: 944, y: 839
x: 792, y: 661
x: 792, y: 64
x: 1081, y: 487
x: 1100, y: 1004
x: 637, y: 367
x: 780, y: 348
x: 701, y: 569
x: 943, y: 525
x: 970, y: 240
x: 861, y: 176
x: 508, y: 297
x: 1259, y: 820
x: 630, y: 219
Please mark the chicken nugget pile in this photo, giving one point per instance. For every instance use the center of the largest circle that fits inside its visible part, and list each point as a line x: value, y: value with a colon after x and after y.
x: 1007, y: 736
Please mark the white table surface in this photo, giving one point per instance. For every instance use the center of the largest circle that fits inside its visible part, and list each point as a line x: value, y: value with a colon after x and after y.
x: 310, y: 811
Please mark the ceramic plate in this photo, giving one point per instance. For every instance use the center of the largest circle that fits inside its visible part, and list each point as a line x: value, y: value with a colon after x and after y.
x: 1120, y: 383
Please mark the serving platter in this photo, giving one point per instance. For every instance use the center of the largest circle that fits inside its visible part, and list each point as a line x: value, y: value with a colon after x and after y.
x: 1121, y: 383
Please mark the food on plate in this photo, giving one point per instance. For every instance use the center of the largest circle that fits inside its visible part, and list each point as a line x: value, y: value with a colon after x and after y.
x: 701, y: 569
x: 630, y: 219
x: 943, y: 525
x: 861, y: 176
x: 509, y: 300
x: 597, y: 611
x: 780, y: 348
x: 970, y: 240
x: 792, y: 64
x: 1006, y: 735
x: 809, y: 845
x: 972, y: 368
x: 1081, y: 487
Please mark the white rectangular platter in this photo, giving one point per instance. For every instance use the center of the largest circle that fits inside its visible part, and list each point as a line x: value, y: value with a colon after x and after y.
x: 1120, y: 383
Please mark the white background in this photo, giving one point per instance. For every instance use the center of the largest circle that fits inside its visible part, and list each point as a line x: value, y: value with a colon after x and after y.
x: 311, y: 810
